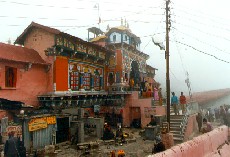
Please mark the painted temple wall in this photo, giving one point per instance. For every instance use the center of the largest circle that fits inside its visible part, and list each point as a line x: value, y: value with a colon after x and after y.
x: 61, y: 74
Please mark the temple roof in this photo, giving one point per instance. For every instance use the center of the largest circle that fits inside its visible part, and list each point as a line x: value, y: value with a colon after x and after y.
x: 21, y: 39
x: 98, y: 38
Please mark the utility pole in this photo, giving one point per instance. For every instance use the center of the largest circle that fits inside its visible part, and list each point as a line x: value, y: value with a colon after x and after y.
x: 167, y: 61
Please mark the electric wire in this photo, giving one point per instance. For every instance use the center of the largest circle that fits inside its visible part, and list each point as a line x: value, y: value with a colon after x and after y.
x: 201, y: 51
x: 211, y: 45
x: 205, y: 15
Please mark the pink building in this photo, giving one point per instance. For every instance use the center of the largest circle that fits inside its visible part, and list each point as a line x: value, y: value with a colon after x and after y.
x: 23, y: 74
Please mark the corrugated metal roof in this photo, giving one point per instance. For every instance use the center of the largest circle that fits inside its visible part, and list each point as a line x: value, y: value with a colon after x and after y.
x: 20, y: 54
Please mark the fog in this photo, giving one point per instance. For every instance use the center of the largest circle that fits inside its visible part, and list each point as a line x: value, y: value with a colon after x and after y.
x: 199, y: 35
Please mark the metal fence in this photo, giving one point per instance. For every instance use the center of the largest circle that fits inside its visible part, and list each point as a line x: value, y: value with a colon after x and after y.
x: 39, y: 138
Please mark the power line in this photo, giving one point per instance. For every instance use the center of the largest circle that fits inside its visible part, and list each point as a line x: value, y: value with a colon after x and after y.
x: 202, y: 51
x: 205, y: 24
x: 211, y: 45
x: 67, y: 7
x: 182, y: 63
x: 200, y: 13
x: 189, y: 26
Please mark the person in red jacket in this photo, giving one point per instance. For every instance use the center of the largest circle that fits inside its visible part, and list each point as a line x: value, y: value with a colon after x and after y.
x: 183, y: 102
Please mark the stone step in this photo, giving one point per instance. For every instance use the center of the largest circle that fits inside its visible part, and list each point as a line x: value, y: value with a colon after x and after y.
x: 175, y: 123
x: 176, y: 139
x: 175, y: 120
x: 176, y: 132
x: 176, y: 116
x: 175, y: 126
x: 178, y: 136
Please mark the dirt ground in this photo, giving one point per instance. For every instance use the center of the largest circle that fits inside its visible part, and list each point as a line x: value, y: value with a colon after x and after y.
x: 136, y: 146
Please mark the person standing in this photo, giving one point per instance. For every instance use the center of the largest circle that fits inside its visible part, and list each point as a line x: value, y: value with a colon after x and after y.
x: 160, y: 97
x: 199, y: 121
x: 174, y: 103
x: 11, y: 146
x: 222, y: 115
x: 156, y: 96
x: 183, y: 103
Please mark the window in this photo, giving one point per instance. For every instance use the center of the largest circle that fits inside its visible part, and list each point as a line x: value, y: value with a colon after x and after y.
x: 114, y: 38
x: 10, y: 77
x: 126, y: 38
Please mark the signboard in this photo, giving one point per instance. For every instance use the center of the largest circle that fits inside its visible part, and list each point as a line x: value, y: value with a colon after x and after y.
x: 41, y: 123
x: 51, y: 120
x: 37, y: 124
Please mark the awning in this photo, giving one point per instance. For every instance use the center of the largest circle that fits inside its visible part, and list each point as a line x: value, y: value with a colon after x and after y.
x: 6, y: 104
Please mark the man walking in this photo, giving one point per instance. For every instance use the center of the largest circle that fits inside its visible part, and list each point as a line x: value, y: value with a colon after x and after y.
x: 174, y: 103
x: 183, y: 103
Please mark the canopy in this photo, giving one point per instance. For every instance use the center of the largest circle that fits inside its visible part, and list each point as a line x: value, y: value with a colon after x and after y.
x: 6, y: 104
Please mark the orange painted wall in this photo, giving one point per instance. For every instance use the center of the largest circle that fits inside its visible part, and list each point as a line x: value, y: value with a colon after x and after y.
x: 61, y: 73
x: 118, y: 67
x: 119, y: 60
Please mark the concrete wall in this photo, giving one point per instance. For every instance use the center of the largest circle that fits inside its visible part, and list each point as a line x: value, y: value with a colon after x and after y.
x: 40, y: 40
x: 201, y: 146
x: 191, y: 127
x: 160, y: 110
x: 134, y: 101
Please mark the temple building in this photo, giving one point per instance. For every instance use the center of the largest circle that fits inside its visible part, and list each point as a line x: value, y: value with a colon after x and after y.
x: 130, y: 62
x: 71, y: 83
x: 99, y: 75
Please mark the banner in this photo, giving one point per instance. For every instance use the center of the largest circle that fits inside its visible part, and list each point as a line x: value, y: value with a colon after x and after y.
x: 37, y: 124
x: 16, y: 129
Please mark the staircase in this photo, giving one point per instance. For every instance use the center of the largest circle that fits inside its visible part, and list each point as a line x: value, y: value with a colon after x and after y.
x: 178, y: 124
x: 176, y: 128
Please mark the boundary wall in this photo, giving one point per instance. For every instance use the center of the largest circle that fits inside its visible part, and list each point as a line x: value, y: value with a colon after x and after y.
x: 205, y: 145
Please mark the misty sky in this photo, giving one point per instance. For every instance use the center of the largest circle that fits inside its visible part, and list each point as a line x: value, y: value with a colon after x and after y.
x: 199, y: 36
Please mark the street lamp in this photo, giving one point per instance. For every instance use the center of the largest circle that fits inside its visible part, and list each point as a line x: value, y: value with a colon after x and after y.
x: 96, y: 6
x: 22, y: 113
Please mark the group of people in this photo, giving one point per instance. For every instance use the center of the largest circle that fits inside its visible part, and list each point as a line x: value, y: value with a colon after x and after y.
x: 178, y: 104
x: 206, y: 116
